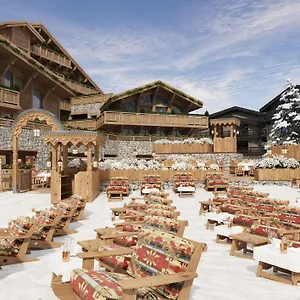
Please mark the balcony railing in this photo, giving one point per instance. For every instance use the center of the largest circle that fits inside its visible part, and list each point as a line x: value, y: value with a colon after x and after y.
x: 77, y: 86
x: 51, y: 55
x: 83, y: 124
x: 9, y: 98
x: 144, y: 119
x: 65, y: 105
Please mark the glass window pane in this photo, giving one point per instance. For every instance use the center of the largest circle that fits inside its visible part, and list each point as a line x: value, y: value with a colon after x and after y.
x: 129, y: 106
x: 160, y: 100
x: 161, y: 109
x: 8, y: 79
x: 146, y: 99
x: 176, y: 109
x: 37, y: 99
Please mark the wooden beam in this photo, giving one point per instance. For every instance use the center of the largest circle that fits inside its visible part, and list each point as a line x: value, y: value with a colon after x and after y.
x: 29, y: 80
x: 49, y: 92
x: 171, y: 102
x: 154, y: 99
x: 139, y: 101
x: 8, y: 66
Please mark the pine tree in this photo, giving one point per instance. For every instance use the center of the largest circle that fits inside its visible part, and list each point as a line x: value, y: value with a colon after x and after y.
x: 285, y: 129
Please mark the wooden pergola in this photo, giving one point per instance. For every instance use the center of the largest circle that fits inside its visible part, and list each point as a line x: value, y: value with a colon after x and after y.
x: 63, y: 181
x: 224, y: 132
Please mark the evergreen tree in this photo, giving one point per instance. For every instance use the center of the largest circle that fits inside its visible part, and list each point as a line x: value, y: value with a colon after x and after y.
x: 285, y: 129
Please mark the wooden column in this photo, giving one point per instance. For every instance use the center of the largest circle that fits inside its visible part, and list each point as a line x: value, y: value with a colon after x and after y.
x: 55, y: 187
x: 96, y: 155
x: 65, y: 158
x: 231, y: 130
x: 89, y: 171
x: 15, y: 171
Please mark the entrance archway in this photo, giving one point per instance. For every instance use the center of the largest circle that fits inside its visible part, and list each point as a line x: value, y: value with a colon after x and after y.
x: 21, y: 121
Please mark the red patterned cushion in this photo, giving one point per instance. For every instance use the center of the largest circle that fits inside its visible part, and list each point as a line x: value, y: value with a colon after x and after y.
x: 243, y: 220
x: 265, y: 208
x: 157, y: 253
x: 117, y: 188
x: 120, y: 261
x: 162, y: 223
x: 64, y: 208
x: 231, y: 209
x: 295, y: 244
x: 127, y: 241
x: 157, y: 199
x: 20, y: 226
x: 131, y: 228
x: 289, y: 218
x: 265, y: 230
x: 160, y: 212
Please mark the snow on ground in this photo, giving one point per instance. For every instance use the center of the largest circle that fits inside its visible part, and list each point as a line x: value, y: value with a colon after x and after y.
x: 220, y: 275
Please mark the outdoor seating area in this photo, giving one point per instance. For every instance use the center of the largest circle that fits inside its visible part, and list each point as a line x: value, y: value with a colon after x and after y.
x: 118, y: 188
x: 241, y: 168
x: 184, y: 184
x: 150, y: 183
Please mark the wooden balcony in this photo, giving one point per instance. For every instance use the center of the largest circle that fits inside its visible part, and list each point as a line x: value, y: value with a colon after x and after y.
x: 51, y: 56
x: 9, y: 98
x: 160, y: 120
x: 77, y: 86
x: 65, y: 105
x: 83, y: 124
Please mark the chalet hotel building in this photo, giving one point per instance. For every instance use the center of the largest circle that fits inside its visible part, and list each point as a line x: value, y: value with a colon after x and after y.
x: 37, y: 72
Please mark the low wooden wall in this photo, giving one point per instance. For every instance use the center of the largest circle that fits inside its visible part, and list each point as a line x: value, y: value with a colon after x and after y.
x: 85, y: 186
x: 182, y: 148
x: 293, y: 151
x: 25, y: 180
x: 276, y: 174
x: 137, y: 175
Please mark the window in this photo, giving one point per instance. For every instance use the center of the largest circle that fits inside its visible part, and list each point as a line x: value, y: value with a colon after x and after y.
x: 129, y: 106
x: 160, y: 100
x: 37, y: 99
x: 145, y: 109
x: 146, y: 99
x: 8, y: 79
x: 176, y: 109
x: 128, y: 131
x: 161, y: 109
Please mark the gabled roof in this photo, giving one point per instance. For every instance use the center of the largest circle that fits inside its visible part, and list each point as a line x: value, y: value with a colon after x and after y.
x: 37, y: 26
x: 158, y: 83
x: 270, y: 103
x: 23, y: 24
x: 233, y: 108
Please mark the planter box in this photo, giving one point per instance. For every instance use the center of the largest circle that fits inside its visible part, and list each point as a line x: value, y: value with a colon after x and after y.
x: 137, y: 175
x: 276, y: 174
x: 182, y: 148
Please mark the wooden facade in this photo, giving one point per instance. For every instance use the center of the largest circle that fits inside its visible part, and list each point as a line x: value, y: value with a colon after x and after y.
x: 37, y: 72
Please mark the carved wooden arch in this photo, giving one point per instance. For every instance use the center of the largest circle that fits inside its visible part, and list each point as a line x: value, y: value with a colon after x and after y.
x: 22, y: 120
x: 33, y: 114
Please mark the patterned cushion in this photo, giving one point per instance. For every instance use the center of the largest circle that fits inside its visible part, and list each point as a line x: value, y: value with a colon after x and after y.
x: 160, y: 206
x: 116, y: 188
x: 19, y: 227
x: 289, y: 218
x: 231, y: 209
x: 157, y: 253
x: 127, y: 241
x: 249, y: 198
x: 79, y: 202
x: 162, y: 223
x: 92, y: 285
x: 265, y: 208
x: 263, y: 230
x: 120, y: 261
x: 160, y: 212
x: 45, y: 218
x: 295, y: 244
x: 243, y: 220
x: 131, y: 227
x: 64, y: 208
x: 293, y: 210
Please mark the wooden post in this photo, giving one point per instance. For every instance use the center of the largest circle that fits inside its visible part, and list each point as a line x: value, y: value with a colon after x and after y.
x: 65, y: 158
x: 1, y: 189
x: 89, y: 172
x: 15, y: 174
x: 54, y: 175
x: 231, y: 130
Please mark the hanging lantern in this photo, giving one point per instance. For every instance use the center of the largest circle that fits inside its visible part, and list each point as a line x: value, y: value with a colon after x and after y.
x: 75, y: 151
x: 48, y: 164
x: 95, y: 164
x: 60, y: 163
x: 36, y: 132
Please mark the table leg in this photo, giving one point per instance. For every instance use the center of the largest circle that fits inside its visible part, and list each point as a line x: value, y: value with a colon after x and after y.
x: 233, y: 247
x: 294, y: 278
x: 259, y: 269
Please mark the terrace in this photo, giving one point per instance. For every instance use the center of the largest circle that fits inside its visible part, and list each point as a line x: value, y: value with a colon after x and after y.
x: 9, y: 98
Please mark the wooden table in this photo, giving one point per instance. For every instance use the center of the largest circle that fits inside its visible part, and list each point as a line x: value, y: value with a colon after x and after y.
x: 115, y: 196
x: 186, y: 191
x: 240, y: 242
x: 206, y: 206
x: 213, y: 218
x: 270, y: 257
x: 224, y: 232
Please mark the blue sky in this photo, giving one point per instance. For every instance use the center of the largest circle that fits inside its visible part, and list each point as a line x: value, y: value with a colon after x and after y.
x: 223, y: 52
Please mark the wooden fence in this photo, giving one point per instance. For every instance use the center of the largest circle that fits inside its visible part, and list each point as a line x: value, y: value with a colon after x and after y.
x: 293, y: 151
x: 276, y: 174
x: 25, y: 180
x: 182, y: 148
x: 137, y: 175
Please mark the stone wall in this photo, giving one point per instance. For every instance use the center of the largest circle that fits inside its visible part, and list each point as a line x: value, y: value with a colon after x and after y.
x: 90, y: 108
x: 26, y: 142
